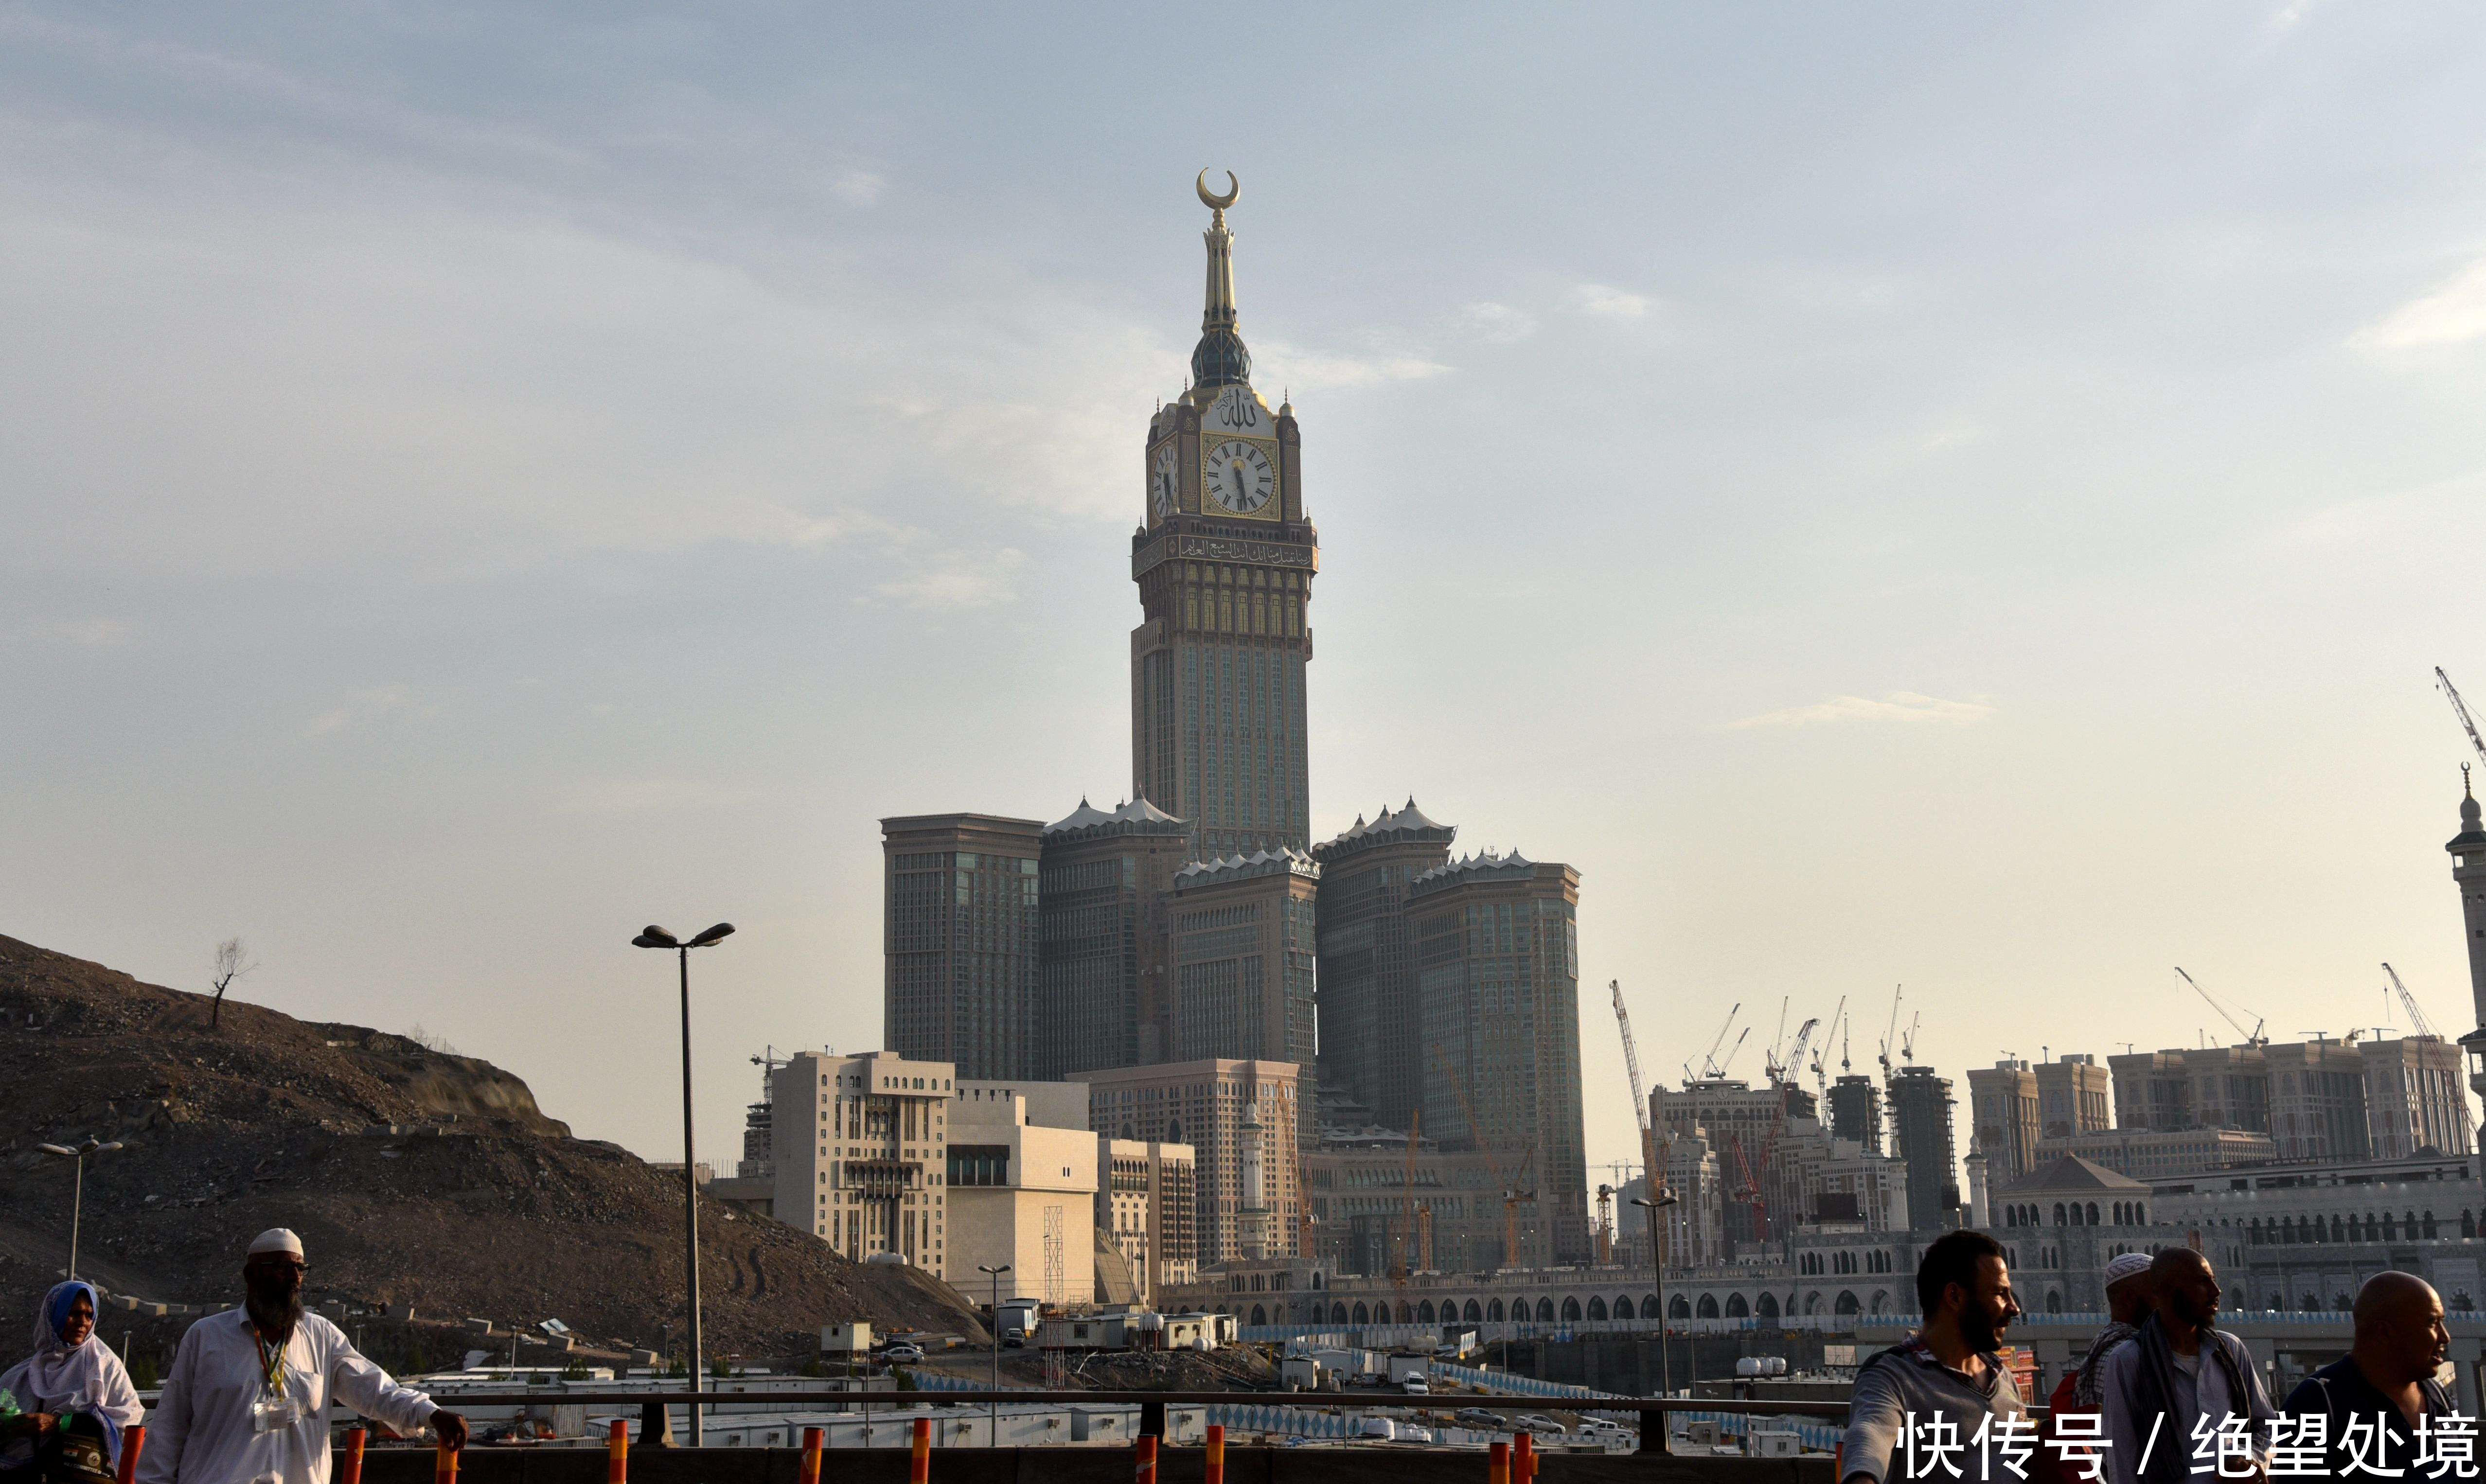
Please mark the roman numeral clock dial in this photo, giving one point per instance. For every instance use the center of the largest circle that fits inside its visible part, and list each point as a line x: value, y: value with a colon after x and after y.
x: 1165, y: 480
x: 1239, y: 476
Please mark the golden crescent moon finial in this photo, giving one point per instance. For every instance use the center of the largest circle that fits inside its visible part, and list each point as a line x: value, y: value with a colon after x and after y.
x: 1213, y: 201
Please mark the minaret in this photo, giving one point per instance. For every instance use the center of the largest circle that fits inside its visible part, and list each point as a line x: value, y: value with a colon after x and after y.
x: 2468, y: 850
x: 1255, y: 1212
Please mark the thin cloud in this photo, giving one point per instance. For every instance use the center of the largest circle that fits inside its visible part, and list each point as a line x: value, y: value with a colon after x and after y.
x: 362, y: 706
x: 958, y: 579
x: 91, y: 633
x: 2454, y: 312
x: 1610, y: 302
x: 858, y: 187
x: 1896, y: 706
x: 1323, y: 370
x: 641, y: 795
x: 1497, y: 323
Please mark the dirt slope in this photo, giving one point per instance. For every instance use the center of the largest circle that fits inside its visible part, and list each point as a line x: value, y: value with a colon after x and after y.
x: 479, y: 1205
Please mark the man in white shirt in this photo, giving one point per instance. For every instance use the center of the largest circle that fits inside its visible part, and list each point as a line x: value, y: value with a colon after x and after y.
x: 247, y: 1400
x: 2184, y: 1400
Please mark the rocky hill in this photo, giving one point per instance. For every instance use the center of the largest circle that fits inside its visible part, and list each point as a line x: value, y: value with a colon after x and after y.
x: 416, y: 1178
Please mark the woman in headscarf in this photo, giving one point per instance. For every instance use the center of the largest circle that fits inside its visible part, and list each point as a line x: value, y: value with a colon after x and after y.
x: 72, y: 1387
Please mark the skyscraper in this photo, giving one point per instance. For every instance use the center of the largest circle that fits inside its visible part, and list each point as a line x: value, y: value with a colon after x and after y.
x: 1104, y: 897
x: 2075, y: 1095
x: 1856, y: 1111
x: 1497, y: 1031
x: 1921, y: 1104
x: 1367, y: 975
x: 960, y: 941
x: 1244, y: 971
x: 2003, y: 1115
x: 1224, y: 561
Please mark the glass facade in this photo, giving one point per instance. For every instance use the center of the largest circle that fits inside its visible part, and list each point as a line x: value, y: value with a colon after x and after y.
x: 1497, y: 970
x: 960, y: 940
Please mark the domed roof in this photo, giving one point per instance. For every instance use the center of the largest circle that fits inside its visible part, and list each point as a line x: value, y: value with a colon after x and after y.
x: 1220, y: 360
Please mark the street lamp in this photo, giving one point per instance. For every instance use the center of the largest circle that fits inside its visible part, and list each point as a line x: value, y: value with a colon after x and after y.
x: 653, y: 937
x: 77, y: 1198
x: 1657, y: 1266
x: 995, y: 1274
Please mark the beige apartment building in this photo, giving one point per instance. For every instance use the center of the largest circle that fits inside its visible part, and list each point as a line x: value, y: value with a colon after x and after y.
x: 1022, y: 1194
x: 1147, y: 1208
x: 1240, y: 1116
x: 860, y: 1146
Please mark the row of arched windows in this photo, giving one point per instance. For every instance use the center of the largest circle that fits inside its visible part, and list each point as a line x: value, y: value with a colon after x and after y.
x: 1843, y: 1260
x: 1545, y: 1311
x: 2075, y: 1213
x: 2407, y: 1226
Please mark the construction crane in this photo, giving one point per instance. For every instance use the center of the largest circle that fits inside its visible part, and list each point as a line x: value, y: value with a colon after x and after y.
x: 2253, y: 1038
x: 2425, y: 1028
x: 1732, y: 1051
x: 1408, y: 1256
x: 1820, y: 1073
x: 2408, y: 1002
x: 1891, y: 1030
x: 1709, y: 1058
x: 1651, y: 1170
x: 1785, y: 1072
x: 2461, y: 710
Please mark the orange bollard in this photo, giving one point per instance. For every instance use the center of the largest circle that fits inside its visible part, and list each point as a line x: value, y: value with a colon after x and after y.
x: 444, y: 1465
x: 1522, y: 1458
x: 1216, y: 1464
x: 810, y: 1472
x: 616, y: 1453
x: 134, y: 1438
x: 1147, y: 1454
x: 919, y: 1469
x: 1497, y: 1462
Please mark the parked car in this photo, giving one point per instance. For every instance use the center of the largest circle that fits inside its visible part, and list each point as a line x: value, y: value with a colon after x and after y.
x: 902, y: 1355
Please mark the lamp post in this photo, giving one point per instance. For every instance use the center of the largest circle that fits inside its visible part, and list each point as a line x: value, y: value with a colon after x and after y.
x: 77, y: 1190
x: 995, y: 1274
x: 653, y: 937
x: 1657, y: 1267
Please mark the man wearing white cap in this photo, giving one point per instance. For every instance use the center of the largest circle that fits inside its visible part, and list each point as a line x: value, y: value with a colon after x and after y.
x: 2127, y: 1305
x: 247, y: 1400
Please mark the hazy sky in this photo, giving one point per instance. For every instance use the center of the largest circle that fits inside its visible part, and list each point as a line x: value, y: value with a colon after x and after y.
x: 1966, y: 496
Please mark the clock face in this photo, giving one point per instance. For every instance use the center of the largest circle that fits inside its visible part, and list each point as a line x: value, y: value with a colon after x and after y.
x: 1239, y: 476
x: 1164, y: 480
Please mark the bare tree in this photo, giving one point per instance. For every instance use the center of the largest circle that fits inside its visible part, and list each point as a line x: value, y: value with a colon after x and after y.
x: 233, y: 961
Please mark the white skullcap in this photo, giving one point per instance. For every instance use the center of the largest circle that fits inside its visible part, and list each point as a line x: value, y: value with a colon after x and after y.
x: 276, y: 1239
x: 2126, y: 1265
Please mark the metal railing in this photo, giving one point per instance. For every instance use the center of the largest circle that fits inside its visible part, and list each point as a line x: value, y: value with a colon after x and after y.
x: 1652, y: 1411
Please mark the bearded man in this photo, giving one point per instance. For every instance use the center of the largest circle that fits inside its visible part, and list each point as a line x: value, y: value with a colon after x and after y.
x: 247, y: 1400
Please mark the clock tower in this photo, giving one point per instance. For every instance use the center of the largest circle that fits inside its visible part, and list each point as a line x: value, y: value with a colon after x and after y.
x: 1225, y: 560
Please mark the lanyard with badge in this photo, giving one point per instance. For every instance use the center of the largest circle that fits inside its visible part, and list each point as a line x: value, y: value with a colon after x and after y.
x: 276, y: 1407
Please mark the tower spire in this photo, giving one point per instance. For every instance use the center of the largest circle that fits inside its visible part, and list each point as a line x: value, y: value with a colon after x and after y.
x: 1219, y: 359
